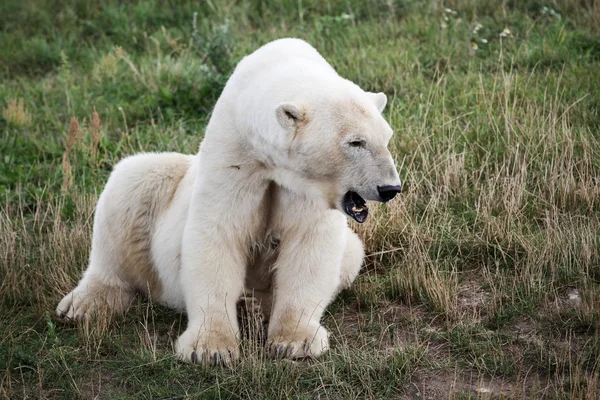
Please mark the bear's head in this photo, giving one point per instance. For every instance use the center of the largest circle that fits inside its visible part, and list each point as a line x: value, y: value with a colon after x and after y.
x: 337, y: 149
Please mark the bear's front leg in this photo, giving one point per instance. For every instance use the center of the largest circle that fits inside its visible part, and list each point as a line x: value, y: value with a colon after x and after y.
x: 307, y: 277
x: 214, y: 257
x: 212, y: 278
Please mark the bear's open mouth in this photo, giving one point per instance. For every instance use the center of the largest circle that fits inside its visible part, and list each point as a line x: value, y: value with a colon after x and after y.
x: 355, y: 206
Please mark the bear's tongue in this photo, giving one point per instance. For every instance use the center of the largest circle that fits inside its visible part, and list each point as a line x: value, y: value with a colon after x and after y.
x: 355, y: 206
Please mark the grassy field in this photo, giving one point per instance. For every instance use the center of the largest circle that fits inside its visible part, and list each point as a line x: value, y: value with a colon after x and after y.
x: 481, y: 280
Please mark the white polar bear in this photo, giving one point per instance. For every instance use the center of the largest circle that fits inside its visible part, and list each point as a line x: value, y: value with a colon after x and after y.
x: 290, y: 148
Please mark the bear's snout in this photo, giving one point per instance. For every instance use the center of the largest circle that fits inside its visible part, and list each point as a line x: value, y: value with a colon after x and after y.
x: 386, y: 193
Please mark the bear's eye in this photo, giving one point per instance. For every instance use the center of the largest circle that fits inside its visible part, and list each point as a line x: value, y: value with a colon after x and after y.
x: 357, y: 143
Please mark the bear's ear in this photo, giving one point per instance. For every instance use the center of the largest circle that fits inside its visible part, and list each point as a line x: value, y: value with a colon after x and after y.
x: 289, y: 114
x: 379, y: 99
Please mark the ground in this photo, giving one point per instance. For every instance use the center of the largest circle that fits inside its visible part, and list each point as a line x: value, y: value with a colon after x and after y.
x: 482, y: 279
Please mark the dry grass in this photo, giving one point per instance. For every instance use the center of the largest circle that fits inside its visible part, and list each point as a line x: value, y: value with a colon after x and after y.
x: 482, y: 279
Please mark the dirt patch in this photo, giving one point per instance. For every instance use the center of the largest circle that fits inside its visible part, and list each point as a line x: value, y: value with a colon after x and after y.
x: 450, y: 385
x: 471, y: 300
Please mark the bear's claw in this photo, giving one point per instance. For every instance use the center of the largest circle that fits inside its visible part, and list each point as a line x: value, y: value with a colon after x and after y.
x: 212, y: 357
x: 299, y: 344
x: 289, y: 350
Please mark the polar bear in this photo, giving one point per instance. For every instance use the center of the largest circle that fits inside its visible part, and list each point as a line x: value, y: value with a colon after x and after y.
x: 291, y: 150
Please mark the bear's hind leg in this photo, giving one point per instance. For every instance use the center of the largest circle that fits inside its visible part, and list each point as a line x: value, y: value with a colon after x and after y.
x: 94, y: 297
x: 84, y: 303
x: 100, y: 292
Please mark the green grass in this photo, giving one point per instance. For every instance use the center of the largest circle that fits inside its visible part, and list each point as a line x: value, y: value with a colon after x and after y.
x: 465, y: 291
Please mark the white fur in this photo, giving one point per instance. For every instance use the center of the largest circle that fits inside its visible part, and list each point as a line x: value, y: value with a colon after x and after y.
x: 257, y: 209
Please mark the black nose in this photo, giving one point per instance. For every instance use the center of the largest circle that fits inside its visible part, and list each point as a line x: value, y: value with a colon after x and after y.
x: 386, y: 193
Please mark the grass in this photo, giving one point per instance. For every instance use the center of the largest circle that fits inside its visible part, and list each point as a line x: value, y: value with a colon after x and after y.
x: 482, y: 280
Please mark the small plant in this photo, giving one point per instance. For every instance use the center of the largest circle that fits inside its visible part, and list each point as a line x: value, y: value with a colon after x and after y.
x: 71, y: 140
x: 550, y: 13
x: 51, y: 330
x: 334, y: 24
x: 15, y: 114
x: 95, y: 132
x: 107, y: 65
x: 216, y: 49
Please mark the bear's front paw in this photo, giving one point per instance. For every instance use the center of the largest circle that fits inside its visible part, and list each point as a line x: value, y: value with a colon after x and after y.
x: 299, y: 343
x: 210, y: 348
